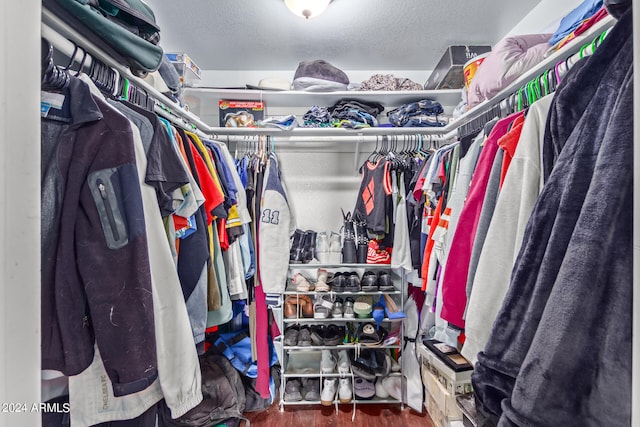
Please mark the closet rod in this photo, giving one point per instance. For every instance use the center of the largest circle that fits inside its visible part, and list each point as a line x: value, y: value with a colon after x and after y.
x: 356, y: 138
x: 62, y: 37
x: 328, y: 131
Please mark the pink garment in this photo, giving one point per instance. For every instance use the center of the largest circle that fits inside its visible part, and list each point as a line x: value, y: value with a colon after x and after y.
x: 261, y: 333
x: 262, y: 344
x: 510, y: 58
x: 454, y: 283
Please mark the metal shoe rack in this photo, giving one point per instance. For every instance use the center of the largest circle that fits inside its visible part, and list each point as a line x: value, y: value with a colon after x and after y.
x: 309, y: 355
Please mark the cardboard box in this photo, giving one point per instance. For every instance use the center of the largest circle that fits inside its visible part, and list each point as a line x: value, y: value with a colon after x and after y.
x: 187, y: 69
x: 455, y: 383
x: 442, y: 384
x: 240, y: 113
x: 449, y: 73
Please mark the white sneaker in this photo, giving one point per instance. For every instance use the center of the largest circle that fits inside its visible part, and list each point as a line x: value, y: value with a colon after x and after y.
x: 322, y: 248
x: 328, y: 392
x: 335, y: 248
x: 344, y: 391
x: 328, y: 362
x: 381, y: 392
x: 344, y: 364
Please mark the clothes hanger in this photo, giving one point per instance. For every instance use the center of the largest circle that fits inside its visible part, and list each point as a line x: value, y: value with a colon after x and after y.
x: 81, y: 66
x: 537, y: 91
x: 373, y: 152
x: 544, y: 84
x: 519, y: 100
x: 557, y: 70
x: 72, y: 58
x: 52, y: 76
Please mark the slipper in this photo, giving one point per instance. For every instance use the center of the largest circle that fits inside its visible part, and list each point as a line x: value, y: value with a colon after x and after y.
x: 393, y: 385
x: 381, y: 392
x: 302, y: 284
x: 363, y: 389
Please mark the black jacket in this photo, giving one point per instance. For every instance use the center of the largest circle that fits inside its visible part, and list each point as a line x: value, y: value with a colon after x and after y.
x: 96, y: 281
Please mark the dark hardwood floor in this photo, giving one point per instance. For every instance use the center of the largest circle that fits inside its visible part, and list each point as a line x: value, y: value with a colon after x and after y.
x: 312, y: 416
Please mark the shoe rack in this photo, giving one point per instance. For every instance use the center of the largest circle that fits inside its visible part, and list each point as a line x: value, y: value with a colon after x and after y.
x: 304, y: 361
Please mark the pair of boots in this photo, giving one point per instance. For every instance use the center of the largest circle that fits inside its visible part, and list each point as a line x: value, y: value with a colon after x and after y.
x: 354, y: 248
x: 303, y: 247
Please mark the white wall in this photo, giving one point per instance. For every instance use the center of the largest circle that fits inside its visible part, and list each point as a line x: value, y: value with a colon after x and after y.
x: 19, y: 210
x: 545, y: 17
x: 239, y: 78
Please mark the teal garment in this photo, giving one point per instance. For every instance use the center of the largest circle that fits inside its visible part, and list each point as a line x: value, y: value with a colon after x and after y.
x: 225, y: 313
x: 139, y: 53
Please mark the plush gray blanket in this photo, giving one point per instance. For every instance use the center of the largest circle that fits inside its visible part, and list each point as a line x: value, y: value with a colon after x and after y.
x: 560, y: 350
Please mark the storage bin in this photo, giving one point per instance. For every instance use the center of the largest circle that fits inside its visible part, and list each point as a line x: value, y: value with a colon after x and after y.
x: 449, y: 73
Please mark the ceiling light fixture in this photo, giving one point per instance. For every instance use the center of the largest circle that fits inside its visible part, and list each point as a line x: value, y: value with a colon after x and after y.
x: 307, y: 8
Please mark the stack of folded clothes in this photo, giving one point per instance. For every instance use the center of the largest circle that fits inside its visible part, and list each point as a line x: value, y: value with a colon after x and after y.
x: 389, y: 82
x: 282, y: 122
x: 422, y: 113
x: 355, y: 114
x: 317, y: 117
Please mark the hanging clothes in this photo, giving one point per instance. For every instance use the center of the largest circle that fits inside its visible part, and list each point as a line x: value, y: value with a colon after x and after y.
x: 522, y: 185
x: 571, y: 287
x: 179, y: 375
x: 486, y: 213
x: 374, y: 191
x: 178, y: 368
x: 455, y: 279
x: 275, y: 230
x: 401, y: 254
x: 86, y: 177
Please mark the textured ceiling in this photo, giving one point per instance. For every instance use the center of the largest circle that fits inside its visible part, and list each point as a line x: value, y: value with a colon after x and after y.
x: 351, y: 34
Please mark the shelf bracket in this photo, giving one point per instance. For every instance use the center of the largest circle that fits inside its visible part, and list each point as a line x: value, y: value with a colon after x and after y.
x: 357, y: 152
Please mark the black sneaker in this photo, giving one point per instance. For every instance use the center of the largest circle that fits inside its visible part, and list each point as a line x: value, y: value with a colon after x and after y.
x: 338, y: 282
x: 369, y: 281
x: 291, y: 336
x: 292, y: 390
x: 353, y: 282
x: 304, y: 337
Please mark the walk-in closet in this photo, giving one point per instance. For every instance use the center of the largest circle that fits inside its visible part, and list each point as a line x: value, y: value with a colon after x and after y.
x: 319, y: 212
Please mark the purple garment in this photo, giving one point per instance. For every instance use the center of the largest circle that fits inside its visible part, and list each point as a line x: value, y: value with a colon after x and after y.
x: 510, y: 58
